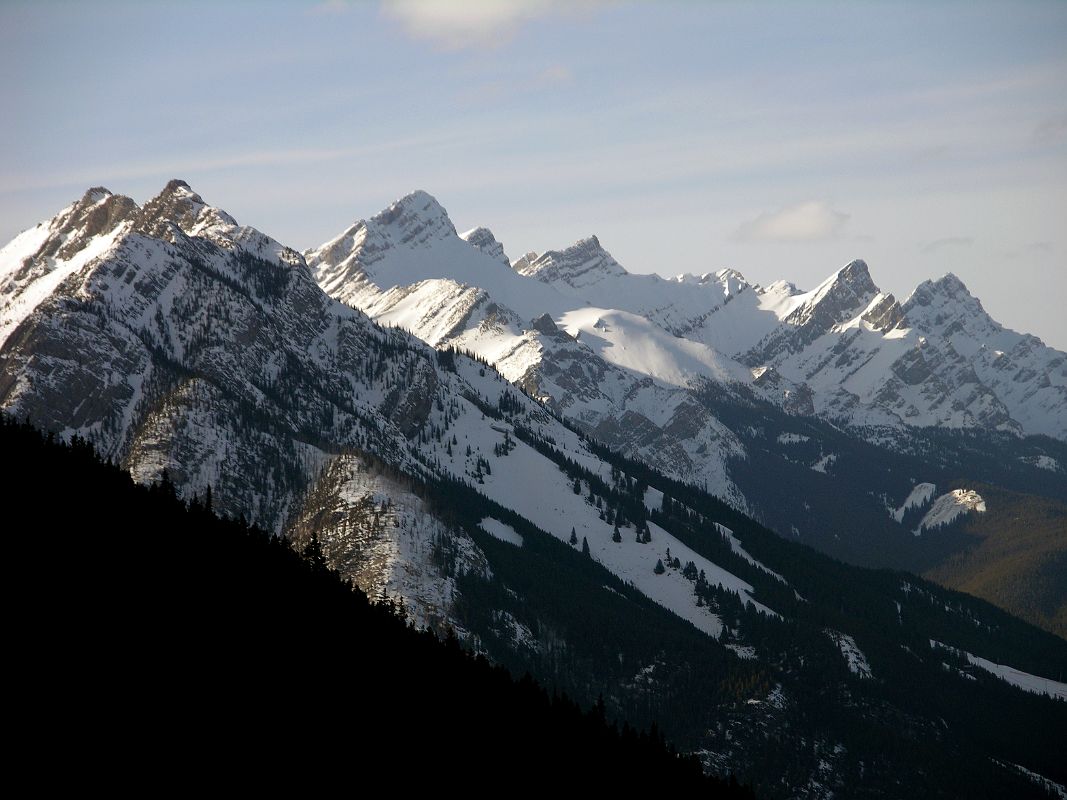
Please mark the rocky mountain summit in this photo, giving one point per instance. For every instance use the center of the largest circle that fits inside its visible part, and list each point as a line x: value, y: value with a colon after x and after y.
x: 531, y: 464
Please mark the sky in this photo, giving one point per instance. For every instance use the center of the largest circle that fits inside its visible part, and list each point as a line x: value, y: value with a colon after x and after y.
x: 779, y: 139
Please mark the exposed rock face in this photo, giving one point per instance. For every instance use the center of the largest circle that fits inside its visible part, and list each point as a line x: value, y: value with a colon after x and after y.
x: 844, y: 351
x: 846, y: 295
x: 176, y: 339
x: 483, y: 239
x: 583, y: 264
x: 439, y: 304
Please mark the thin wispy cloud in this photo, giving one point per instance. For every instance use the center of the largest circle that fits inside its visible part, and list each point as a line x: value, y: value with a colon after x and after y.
x: 493, y: 91
x: 198, y: 164
x: 461, y: 24
x: 811, y: 221
x: 948, y: 241
x: 1031, y: 250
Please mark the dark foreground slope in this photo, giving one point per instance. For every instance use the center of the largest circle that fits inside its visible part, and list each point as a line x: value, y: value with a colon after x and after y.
x: 148, y: 637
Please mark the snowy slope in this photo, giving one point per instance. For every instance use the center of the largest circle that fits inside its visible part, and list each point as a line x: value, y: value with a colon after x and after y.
x: 1023, y: 680
x: 919, y: 496
x: 844, y: 350
x: 181, y: 340
x: 176, y: 339
x: 407, y: 267
x: 35, y: 262
x: 949, y: 507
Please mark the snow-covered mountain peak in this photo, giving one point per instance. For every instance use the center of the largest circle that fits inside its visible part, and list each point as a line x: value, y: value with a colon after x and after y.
x: 98, y: 213
x: 583, y: 264
x: 937, y: 305
x: 178, y: 204
x: 95, y: 194
x: 34, y: 263
x: 483, y: 239
x: 415, y: 218
x: 178, y: 212
x: 843, y: 349
x: 415, y: 222
x: 841, y: 297
x: 854, y: 277
x: 781, y: 288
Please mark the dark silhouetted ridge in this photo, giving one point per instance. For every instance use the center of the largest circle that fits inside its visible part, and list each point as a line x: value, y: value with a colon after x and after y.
x: 151, y: 638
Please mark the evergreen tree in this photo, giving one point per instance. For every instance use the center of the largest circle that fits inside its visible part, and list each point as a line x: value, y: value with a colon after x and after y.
x: 574, y: 537
x: 585, y: 547
x: 659, y: 569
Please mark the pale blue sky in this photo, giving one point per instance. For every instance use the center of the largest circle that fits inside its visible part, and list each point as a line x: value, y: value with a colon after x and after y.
x: 782, y: 139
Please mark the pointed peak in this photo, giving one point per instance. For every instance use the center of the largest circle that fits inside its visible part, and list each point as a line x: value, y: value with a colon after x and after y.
x: 587, y: 248
x: 177, y: 188
x: 418, y: 216
x: 524, y: 261
x: 95, y: 195
x: 950, y: 284
x: 582, y: 264
x: 483, y: 239
x: 729, y: 273
x: 854, y: 278
x: 478, y: 234
x: 782, y: 287
x: 179, y: 205
x: 545, y: 324
x: 174, y: 184
x: 935, y: 305
x: 855, y: 269
x: 731, y: 281
x: 417, y: 203
x: 174, y: 190
x: 841, y: 297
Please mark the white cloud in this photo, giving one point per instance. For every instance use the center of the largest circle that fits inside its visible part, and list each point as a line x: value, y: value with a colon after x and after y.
x: 948, y: 241
x: 804, y: 222
x: 458, y: 24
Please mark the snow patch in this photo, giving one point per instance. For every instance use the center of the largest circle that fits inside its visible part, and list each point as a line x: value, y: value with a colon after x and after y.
x: 742, y: 650
x: 857, y: 661
x: 920, y: 495
x: 824, y: 462
x: 1016, y: 677
x: 1050, y: 786
x: 948, y: 507
x: 1042, y: 462
x: 501, y: 531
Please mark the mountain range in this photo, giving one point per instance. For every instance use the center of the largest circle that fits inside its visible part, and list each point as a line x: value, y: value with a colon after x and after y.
x: 578, y: 469
x: 839, y: 393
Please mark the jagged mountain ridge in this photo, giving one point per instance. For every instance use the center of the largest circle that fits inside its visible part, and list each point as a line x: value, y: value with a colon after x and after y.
x: 176, y: 339
x: 622, y: 354
x: 719, y: 382
x: 184, y: 342
x: 862, y: 357
x: 448, y: 292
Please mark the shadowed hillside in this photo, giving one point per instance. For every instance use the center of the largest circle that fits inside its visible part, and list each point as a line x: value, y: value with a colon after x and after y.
x: 206, y: 645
